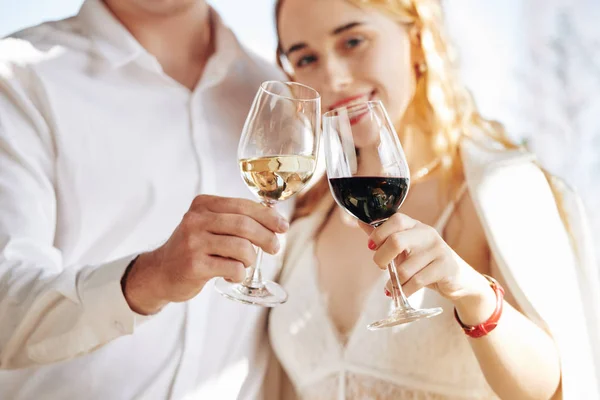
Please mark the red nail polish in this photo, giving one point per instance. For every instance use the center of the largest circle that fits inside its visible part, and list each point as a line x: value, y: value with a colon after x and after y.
x: 372, y: 245
x: 387, y: 293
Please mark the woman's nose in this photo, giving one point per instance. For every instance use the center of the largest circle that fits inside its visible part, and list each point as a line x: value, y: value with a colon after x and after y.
x: 338, y: 74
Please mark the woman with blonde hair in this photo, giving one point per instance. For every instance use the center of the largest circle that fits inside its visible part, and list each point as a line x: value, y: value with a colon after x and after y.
x: 486, y: 239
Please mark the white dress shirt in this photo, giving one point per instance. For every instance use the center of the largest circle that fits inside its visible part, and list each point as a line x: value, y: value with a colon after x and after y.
x: 101, y: 154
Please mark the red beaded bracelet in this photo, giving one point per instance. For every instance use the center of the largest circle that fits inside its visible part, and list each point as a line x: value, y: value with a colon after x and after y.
x: 483, y: 329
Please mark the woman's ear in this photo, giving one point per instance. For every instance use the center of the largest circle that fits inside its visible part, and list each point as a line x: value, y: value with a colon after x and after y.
x: 416, y: 51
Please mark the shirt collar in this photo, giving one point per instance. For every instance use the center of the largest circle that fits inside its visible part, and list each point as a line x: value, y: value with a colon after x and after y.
x: 110, y: 38
x: 227, y: 51
x: 116, y: 44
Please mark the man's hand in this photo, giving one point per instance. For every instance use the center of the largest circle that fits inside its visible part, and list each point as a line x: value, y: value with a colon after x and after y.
x: 214, y: 239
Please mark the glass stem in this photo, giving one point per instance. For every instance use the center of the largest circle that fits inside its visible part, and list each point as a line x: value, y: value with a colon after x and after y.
x: 400, y: 300
x: 253, y: 275
x: 398, y: 296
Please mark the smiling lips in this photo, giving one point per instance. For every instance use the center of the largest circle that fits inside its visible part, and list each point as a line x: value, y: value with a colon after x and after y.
x: 353, y: 100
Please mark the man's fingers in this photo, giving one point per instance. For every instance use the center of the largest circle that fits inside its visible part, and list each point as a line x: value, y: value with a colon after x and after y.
x: 244, y: 227
x: 231, y: 247
x: 266, y: 216
x: 229, y: 269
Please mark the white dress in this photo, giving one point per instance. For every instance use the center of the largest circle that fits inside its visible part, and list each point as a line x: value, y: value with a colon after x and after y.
x: 425, y: 360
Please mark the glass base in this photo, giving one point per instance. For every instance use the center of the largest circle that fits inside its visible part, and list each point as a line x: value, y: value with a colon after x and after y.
x: 269, y: 295
x: 404, y: 317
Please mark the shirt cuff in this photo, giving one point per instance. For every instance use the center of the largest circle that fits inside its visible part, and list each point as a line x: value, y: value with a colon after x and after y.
x: 103, y: 298
x: 102, y: 314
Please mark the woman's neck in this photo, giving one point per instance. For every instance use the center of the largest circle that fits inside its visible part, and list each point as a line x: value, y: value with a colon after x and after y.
x: 420, y: 157
x: 418, y: 150
x: 369, y: 162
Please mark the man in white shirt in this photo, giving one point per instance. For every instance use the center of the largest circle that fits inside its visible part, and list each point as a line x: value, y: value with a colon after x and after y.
x: 111, y: 124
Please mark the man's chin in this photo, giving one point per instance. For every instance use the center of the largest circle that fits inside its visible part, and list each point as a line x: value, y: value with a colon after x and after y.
x: 167, y: 7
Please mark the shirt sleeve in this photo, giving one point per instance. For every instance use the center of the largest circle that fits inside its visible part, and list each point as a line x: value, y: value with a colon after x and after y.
x: 49, y: 311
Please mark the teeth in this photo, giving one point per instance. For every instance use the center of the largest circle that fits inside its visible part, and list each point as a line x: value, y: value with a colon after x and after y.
x: 358, y: 101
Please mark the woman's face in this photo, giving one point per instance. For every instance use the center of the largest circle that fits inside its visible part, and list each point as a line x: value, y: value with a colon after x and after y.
x: 348, y: 54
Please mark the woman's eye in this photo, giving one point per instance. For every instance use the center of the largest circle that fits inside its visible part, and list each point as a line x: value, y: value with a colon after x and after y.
x: 306, y: 60
x: 353, y: 42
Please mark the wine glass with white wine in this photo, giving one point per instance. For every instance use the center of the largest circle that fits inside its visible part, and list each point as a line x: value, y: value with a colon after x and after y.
x: 277, y: 157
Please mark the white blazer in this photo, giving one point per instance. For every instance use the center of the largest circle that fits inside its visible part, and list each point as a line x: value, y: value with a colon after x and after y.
x: 555, y: 283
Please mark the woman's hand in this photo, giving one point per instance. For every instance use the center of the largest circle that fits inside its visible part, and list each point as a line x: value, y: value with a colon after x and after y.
x: 423, y: 259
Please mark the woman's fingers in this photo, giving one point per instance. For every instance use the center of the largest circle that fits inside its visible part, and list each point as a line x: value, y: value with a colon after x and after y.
x: 396, y: 223
x: 409, y: 242
x: 413, y: 264
x: 427, y: 276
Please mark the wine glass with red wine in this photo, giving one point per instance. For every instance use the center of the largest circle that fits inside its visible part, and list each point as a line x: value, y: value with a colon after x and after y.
x: 369, y: 178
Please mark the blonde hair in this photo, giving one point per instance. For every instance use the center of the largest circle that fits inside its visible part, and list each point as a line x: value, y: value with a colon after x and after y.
x: 441, y: 108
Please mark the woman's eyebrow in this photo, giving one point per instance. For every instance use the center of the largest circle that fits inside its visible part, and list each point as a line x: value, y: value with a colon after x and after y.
x: 336, y: 31
x: 346, y: 27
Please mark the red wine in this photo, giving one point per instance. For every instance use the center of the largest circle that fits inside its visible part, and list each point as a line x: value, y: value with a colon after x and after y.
x: 371, y: 199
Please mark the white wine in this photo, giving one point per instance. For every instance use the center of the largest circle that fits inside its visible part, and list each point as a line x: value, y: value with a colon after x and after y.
x: 277, y: 178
